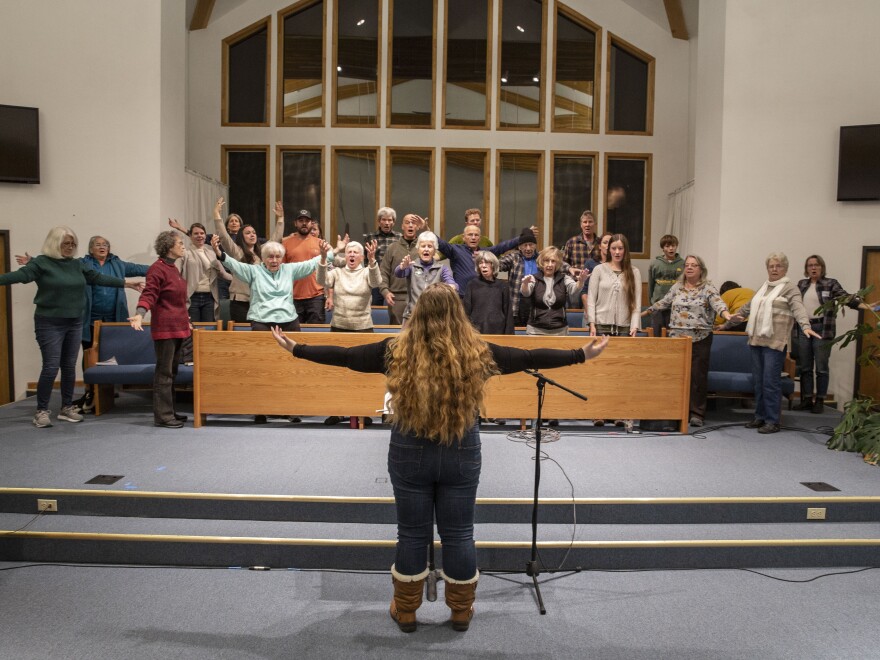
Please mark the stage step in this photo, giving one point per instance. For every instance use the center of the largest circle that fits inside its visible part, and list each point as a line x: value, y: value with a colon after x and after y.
x: 380, y: 510
x: 60, y: 538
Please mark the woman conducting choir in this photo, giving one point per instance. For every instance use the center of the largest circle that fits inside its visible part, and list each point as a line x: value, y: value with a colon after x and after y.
x: 436, y: 369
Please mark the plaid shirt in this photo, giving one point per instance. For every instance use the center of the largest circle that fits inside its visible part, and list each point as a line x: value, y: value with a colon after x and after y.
x: 383, y: 241
x: 577, y: 251
x: 827, y: 289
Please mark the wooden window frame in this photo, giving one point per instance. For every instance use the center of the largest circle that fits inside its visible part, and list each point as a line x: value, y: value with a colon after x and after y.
x: 587, y: 24
x: 279, y: 64
x: 612, y: 41
x: 594, y: 155
x: 279, y: 173
x: 334, y: 74
x: 225, y: 149
x: 230, y: 41
x: 440, y: 227
x: 334, y: 181
x: 542, y: 89
x: 646, y: 211
x: 388, y: 72
x: 490, y: 30
x: 389, y: 151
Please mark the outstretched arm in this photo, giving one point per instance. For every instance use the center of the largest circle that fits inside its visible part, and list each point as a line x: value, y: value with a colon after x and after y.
x: 367, y: 358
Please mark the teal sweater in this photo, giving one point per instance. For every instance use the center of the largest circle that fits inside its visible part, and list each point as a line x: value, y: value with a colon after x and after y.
x: 61, y: 284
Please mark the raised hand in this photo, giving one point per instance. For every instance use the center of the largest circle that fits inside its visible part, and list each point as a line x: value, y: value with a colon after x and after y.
x: 406, y: 262
x: 22, y: 260
x: 423, y: 222
x: 371, y: 248
x: 594, y: 348
x: 215, y: 243
x: 174, y: 224
x: 583, y: 275
x: 218, y: 207
x: 324, y: 246
x: 279, y: 209
x: 342, y: 242
x: 283, y: 340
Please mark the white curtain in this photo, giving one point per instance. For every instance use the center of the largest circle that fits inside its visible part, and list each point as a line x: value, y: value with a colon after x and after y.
x: 201, y: 195
x: 679, y: 220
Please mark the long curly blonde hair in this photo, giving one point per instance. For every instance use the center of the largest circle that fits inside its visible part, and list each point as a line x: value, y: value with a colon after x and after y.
x: 437, y: 368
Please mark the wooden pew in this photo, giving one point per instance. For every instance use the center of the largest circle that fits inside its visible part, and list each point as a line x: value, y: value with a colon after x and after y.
x: 246, y: 373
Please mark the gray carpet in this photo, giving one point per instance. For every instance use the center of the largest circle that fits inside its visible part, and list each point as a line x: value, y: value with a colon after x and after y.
x: 81, y: 612
x: 232, y: 455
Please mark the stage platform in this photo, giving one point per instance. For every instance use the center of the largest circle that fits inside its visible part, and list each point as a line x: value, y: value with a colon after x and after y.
x: 308, y: 495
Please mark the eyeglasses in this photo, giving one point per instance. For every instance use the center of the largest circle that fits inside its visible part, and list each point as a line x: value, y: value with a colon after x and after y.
x: 101, y: 245
x: 68, y: 244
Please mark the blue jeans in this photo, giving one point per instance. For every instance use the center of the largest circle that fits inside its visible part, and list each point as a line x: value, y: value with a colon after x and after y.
x: 201, y: 307
x: 767, y: 366
x: 810, y: 351
x: 59, y: 341
x: 431, y: 480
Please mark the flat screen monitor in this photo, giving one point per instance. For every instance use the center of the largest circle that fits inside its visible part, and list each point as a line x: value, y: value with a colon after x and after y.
x: 19, y: 144
x: 858, y: 167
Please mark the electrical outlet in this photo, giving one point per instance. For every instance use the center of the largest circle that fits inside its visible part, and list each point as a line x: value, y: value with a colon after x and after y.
x: 47, y: 505
x: 816, y: 514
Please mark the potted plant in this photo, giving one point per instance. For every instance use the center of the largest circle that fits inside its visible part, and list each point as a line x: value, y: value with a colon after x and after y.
x: 859, y: 429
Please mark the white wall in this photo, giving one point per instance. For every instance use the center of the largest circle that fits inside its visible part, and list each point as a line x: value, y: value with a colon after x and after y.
x: 111, y: 130
x: 794, y: 71
x: 669, y: 143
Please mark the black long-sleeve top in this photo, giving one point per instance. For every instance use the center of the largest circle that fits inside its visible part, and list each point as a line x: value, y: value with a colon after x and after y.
x: 370, y: 358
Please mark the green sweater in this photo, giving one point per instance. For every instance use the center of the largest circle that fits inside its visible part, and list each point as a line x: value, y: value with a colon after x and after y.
x: 61, y: 284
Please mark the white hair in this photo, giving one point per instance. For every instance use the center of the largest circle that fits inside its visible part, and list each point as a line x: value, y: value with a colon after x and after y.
x: 386, y: 212
x: 430, y: 237
x: 356, y: 245
x: 778, y: 256
x: 54, y: 239
x: 271, y: 247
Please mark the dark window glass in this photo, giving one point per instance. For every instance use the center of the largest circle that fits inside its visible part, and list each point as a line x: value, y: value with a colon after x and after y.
x: 303, y: 66
x: 628, y: 100
x: 465, y: 100
x: 246, y: 176
x: 521, y: 74
x: 247, y: 79
x: 357, y: 62
x: 412, y: 63
x: 574, y: 92
x: 572, y: 195
x: 300, y: 185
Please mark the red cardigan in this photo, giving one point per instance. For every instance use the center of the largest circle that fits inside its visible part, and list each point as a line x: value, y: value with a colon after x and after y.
x: 165, y: 294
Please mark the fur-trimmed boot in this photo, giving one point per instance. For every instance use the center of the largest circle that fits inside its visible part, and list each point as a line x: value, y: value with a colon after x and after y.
x: 408, y: 591
x: 460, y: 596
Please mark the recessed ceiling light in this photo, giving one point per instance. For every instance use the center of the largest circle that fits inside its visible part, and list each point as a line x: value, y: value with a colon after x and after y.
x: 520, y: 28
x: 535, y: 79
x: 361, y: 22
x: 339, y: 68
x: 504, y: 80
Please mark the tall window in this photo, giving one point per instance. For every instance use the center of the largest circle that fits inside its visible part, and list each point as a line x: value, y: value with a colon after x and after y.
x: 630, y: 89
x: 576, y: 72
x: 465, y: 186
x: 520, y: 185
x: 246, y: 171
x: 301, y: 64
x: 246, y: 76
x: 355, y: 191
x: 628, y: 199
x: 411, y: 60
x: 300, y: 181
x: 521, y: 77
x: 410, y: 181
x: 466, y: 72
x: 574, y: 176
x: 356, y: 56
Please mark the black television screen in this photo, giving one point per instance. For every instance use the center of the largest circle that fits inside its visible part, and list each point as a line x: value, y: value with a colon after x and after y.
x: 858, y: 167
x: 19, y: 144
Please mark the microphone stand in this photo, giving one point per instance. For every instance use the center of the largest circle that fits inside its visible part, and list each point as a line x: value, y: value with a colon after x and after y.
x: 532, y: 569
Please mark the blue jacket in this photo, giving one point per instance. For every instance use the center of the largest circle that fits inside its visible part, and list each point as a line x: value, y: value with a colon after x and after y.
x: 461, y: 258
x: 117, y: 268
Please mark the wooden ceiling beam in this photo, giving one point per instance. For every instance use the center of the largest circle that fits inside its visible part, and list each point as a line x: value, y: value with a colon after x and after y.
x: 202, y: 15
x: 675, y: 15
